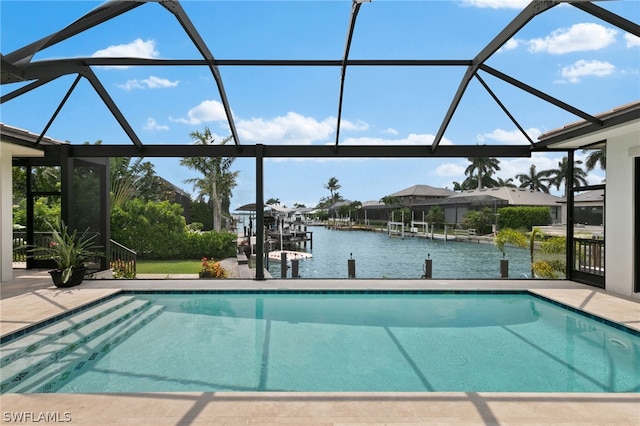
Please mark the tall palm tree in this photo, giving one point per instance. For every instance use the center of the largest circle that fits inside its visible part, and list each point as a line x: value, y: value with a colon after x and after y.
x: 558, y: 177
x: 481, y: 166
x: 595, y: 157
x: 535, y: 181
x: 332, y: 186
x: 217, y: 181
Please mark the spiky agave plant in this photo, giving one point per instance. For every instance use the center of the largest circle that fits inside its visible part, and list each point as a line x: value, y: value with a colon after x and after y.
x: 69, y: 250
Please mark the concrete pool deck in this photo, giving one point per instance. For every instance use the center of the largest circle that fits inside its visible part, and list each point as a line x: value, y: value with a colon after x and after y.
x: 38, y: 301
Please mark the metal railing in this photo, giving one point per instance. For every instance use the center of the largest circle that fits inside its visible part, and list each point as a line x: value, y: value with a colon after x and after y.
x: 20, y: 247
x: 122, y: 261
x: 589, y: 256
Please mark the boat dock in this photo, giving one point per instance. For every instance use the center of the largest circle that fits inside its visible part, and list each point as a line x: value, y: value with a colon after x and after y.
x: 295, y: 236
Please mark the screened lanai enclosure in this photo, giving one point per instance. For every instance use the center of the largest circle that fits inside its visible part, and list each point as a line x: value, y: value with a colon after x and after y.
x: 49, y: 63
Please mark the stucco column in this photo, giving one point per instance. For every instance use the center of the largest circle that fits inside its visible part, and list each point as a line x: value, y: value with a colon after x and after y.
x: 6, y: 215
x: 619, y: 232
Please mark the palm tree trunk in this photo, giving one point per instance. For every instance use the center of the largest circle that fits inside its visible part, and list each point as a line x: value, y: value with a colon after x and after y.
x: 215, y: 205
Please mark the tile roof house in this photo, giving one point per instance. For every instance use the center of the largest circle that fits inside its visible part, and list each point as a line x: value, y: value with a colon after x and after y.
x: 420, y: 193
x: 457, y: 205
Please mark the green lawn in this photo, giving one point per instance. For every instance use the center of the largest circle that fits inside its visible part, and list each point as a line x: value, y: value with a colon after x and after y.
x: 168, y: 266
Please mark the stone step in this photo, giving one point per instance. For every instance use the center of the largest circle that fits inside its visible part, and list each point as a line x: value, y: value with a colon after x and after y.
x: 54, y: 350
x: 55, y: 375
x: 32, y: 341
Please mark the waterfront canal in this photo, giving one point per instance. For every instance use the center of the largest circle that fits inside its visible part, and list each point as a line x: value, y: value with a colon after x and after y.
x: 378, y: 256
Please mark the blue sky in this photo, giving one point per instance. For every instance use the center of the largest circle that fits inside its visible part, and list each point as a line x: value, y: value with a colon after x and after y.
x: 565, y: 52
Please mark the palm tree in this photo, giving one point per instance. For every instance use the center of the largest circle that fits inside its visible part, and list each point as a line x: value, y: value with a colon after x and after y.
x: 469, y: 183
x: 558, y: 177
x: 481, y: 166
x: 273, y: 201
x: 595, y: 157
x: 332, y: 186
x: 217, y: 181
x: 508, y: 183
x: 389, y: 201
x: 534, y: 181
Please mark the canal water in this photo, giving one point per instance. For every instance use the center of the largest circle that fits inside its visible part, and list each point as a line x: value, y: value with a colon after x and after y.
x: 378, y: 256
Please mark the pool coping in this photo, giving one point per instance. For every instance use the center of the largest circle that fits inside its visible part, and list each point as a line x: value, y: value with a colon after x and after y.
x: 8, y: 337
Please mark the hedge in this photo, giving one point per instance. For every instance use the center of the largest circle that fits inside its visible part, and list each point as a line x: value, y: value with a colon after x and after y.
x: 523, y: 217
x: 157, y: 230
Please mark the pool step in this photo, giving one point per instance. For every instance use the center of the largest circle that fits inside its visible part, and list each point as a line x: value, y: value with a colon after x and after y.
x: 35, y: 371
x: 29, y: 343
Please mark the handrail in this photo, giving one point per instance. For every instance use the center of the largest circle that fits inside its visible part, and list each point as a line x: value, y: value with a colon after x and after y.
x: 21, y: 248
x: 589, y: 255
x: 122, y: 261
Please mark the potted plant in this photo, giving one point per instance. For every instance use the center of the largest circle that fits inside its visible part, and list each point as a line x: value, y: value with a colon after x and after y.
x: 69, y: 250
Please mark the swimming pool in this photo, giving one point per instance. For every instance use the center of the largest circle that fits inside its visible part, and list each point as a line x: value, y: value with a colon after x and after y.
x: 324, y: 341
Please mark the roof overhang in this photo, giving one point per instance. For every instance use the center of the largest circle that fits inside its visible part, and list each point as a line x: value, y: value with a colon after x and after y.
x: 17, y: 150
x: 619, y: 122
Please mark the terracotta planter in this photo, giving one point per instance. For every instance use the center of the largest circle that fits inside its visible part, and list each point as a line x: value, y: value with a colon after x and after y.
x: 76, y: 277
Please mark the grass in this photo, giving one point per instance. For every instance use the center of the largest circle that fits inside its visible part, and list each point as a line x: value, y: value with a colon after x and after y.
x: 168, y: 266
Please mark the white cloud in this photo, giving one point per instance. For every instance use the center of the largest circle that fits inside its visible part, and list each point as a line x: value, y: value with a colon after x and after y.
x: 152, y: 82
x: 497, y: 4
x: 579, y: 38
x: 412, y: 139
x: 511, y: 44
x: 357, y: 126
x: 152, y: 125
x: 130, y: 85
x: 206, y: 111
x: 136, y: 49
x: 391, y: 131
x: 584, y: 68
x: 293, y: 128
x: 509, y: 168
x: 632, y: 40
x: 450, y: 170
x: 509, y: 137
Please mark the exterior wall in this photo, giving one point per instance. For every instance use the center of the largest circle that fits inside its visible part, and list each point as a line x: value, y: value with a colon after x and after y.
x: 6, y: 215
x: 7, y: 152
x: 619, y: 214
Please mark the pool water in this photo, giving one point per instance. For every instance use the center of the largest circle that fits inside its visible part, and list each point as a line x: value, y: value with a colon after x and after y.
x: 480, y: 342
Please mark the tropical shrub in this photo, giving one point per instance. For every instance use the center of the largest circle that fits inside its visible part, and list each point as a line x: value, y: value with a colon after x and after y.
x: 195, y: 226
x: 123, y: 269
x: 523, y: 217
x: 45, y: 211
x: 398, y: 215
x: 219, y: 245
x: 212, y: 269
x: 550, y: 263
x: 509, y: 237
x: 553, y: 263
x: 479, y: 220
x: 435, y: 215
x: 153, y: 229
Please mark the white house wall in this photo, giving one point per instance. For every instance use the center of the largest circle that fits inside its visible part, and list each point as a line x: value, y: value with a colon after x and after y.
x: 7, y: 152
x: 619, y: 214
x: 6, y: 214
